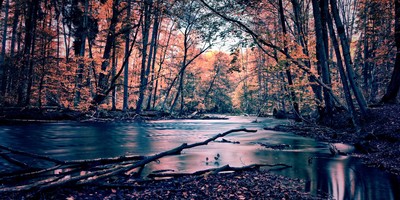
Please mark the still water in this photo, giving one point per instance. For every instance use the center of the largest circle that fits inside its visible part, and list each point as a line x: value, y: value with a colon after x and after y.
x: 342, y: 177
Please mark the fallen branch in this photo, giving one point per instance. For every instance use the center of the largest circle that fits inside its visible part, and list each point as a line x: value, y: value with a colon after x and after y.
x: 106, y: 160
x: 93, y: 176
x: 224, y: 168
x: 14, y: 161
x: 24, y: 153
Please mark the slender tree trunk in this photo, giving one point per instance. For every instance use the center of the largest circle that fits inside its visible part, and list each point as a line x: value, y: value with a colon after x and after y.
x: 27, y: 69
x: 31, y: 63
x: 100, y: 98
x: 82, y: 47
x: 394, y: 85
x: 182, y: 72
x: 152, y: 55
x: 103, y: 79
x: 147, y: 4
x: 293, y: 98
x: 212, y: 83
x: 113, y: 72
x: 168, y: 92
x: 343, y: 77
x: 301, y: 37
x: 4, y: 41
x: 3, y: 68
x: 321, y: 54
x: 125, y: 106
x: 17, y: 13
x: 162, y: 59
x: 347, y: 59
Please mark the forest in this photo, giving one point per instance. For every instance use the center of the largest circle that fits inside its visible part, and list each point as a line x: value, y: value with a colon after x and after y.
x: 331, y: 65
x: 185, y: 56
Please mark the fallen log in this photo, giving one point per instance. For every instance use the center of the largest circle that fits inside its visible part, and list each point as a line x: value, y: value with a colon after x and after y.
x: 224, y: 168
x: 93, y: 176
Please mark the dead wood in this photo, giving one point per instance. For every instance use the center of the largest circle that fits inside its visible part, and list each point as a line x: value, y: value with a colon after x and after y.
x: 103, y: 161
x: 92, y: 174
x: 14, y: 161
x: 32, y: 155
x: 225, y: 168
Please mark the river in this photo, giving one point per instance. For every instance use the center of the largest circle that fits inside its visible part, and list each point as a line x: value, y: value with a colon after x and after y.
x: 342, y: 177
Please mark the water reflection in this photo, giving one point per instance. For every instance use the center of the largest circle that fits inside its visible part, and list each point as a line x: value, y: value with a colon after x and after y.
x: 342, y: 177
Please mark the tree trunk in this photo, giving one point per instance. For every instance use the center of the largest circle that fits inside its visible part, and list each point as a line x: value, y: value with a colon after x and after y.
x: 162, y: 59
x: 113, y: 72
x: 168, y: 92
x: 302, y: 40
x: 81, y: 53
x: 347, y: 59
x: 125, y: 106
x: 103, y: 79
x: 394, y: 85
x: 321, y: 55
x: 147, y: 4
x: 3, y: 69
x: 343, y: 77
x: 152, y: 55
x: 292, y: 93
x: 212, y: 83
x: 27, y: 68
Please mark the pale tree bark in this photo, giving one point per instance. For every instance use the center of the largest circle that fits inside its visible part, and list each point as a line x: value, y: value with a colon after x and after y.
x: 394, y: 85
x: 347, y: 59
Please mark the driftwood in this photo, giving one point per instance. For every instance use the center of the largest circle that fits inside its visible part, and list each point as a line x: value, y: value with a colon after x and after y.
x: 70, y: 172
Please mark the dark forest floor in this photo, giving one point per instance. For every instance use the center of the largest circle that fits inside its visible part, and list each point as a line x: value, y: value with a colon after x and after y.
x: 378, y: 143
x: 253, y: 184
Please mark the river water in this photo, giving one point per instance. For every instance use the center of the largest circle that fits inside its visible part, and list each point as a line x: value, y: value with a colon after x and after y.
x: 342, y: 177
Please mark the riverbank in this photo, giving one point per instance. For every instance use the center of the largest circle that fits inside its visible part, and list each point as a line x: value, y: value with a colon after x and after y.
x: 15, y: 115
x: 253, y: 184
x: 378, y: 144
